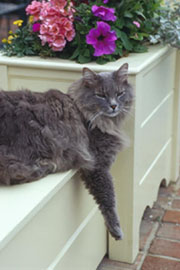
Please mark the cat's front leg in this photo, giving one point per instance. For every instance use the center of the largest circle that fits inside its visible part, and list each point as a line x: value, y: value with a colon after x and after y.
x: 100, y: 185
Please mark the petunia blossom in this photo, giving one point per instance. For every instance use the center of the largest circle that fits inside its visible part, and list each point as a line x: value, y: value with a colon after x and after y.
x: 106, y: 14
x: 102, y: 39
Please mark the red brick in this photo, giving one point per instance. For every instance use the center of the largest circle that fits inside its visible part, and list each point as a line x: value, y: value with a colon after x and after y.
x: 169, y: 230
x: 145, y: 231
x: 176, y: 204
x: 156, y: 263
x: 178, y: 192
x: 172, y: 216
x: 165, y: 248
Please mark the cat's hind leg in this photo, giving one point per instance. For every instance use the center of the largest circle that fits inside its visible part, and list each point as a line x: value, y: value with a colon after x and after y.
x: 14, y: 171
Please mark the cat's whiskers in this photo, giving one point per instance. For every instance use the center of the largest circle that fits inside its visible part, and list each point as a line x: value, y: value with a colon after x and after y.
x: 127, y: 111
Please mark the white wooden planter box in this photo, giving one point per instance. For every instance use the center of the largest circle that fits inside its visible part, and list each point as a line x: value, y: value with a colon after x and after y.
x: 53, y: 223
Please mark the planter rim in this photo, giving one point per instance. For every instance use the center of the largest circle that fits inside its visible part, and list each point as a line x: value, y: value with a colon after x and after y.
x: 137, y: 61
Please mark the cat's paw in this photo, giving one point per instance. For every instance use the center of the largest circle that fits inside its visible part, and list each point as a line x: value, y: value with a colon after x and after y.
x: 116, y: 233
x: 49, y: 164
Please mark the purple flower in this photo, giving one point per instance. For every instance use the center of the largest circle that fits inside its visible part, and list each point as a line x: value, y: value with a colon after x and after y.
x: 106, y: 14
x: 105, y: 1
x: 102, y: 39
x: 36, y: 27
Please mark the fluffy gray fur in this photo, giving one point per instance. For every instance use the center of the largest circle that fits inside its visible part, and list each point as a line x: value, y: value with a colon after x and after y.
x: 43, y: 133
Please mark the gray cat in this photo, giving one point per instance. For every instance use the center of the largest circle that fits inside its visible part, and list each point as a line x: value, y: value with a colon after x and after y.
x: 43, y: 133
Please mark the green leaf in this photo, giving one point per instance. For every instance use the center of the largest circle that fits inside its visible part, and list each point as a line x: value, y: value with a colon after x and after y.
x: 101, y: 61
x: 83, y: 59
x: 128, y: 14
x: 137, y: 36
x: 118, y: 32
x: 140, y: 48
x: 124, y: 38
x: 140, y: 14
x: 75, y: 54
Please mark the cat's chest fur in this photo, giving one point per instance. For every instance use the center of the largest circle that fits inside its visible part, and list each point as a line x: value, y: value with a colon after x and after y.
x: 104, y: 146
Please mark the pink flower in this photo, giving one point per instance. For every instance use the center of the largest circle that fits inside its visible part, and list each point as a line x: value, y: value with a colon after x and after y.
x: 58, y: 43
x: 48, y: 11
x: 137, y: 24
x: 66, y: 24
x: 59, y: 3
x: 34, y: 9
x: 70, y: 34
x: 55, y: 22
x: 44, y: 29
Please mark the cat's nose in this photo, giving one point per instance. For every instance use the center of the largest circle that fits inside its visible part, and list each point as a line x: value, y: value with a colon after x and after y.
x: 113, y: 106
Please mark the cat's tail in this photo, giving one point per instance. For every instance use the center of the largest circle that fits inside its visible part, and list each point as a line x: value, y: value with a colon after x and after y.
x: 14, y: 171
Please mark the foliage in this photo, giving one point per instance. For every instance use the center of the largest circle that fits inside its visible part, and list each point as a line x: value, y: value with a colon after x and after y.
x: 104, y: 30
x: 168, y: 23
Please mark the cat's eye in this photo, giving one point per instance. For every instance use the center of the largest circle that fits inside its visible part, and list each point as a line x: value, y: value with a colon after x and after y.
x: 120, y: 94
x: 100, y: 96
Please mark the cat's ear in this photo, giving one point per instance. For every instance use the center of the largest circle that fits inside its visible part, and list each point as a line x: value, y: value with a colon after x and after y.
x: 89, y: 76
x: 122, y: 73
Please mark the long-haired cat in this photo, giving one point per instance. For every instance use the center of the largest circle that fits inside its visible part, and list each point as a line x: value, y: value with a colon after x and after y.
x: 43, y: 133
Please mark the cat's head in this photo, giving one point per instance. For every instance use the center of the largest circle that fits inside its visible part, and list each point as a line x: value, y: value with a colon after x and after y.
x: 106, y: 94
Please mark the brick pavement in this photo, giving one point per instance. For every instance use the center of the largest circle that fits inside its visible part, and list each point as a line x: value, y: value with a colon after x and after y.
x: 159, y: 235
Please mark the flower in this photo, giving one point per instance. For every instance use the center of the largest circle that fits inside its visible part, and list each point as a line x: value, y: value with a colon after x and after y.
x: 54, y: 21
x: 4, y: 40
x: 31, y: 19
x: 49, y: 11
x: 58, y: 43
x: 9, y: 40
x: 60, y: 3
x: 87, y: 30
x: 34, y: 9
x: 102, y: 39
x: 36, y: 27
x: 137, y: 24
x: 106, y: 14
x: 18, y: 23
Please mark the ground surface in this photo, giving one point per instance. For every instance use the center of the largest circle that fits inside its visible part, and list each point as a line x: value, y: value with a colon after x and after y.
x: 159, y: 235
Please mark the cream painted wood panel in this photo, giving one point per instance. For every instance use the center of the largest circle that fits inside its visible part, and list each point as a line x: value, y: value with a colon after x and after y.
x: 154, y: 131
x: 153, y: 154
x: 83, y: 254
x: 3, y: 77
x: 37, y: 80
x: 57, y: 228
